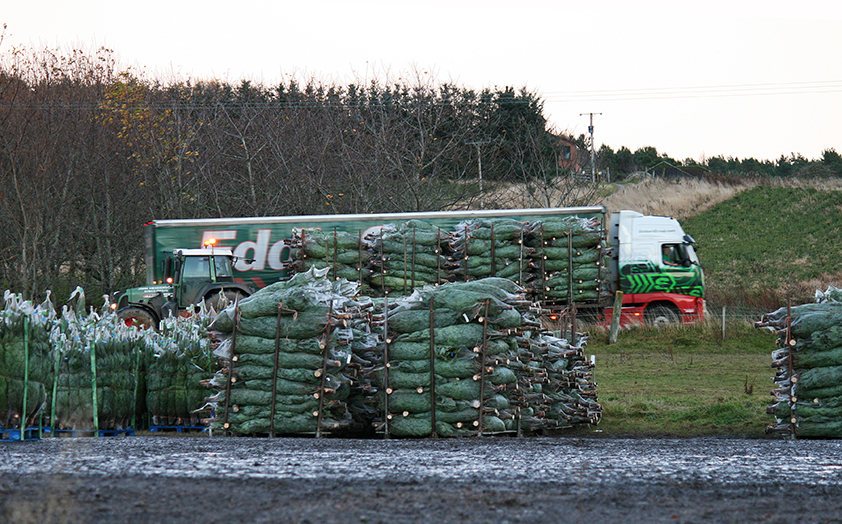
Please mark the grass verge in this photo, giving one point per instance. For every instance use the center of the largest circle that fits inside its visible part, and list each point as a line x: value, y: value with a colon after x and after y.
x: 684, y: 381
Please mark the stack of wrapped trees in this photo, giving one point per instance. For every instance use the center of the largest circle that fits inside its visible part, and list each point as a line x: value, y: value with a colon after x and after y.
x: 569, y: 260
x: 25, y: 363
x: 340, y: 251
x: 89, y: 371
x: 557, y: 260
x: 177, y: 360
x: 808, y: 363
x: 557, y: 389
x: 490, y: 248
x: 128, y: 372
x: 406, y: 256
x: 285, y: 357
x: 97, y: 363
x: 445, y: 369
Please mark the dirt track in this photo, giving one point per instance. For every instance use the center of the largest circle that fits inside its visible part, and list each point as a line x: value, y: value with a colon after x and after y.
x: 534, y: 480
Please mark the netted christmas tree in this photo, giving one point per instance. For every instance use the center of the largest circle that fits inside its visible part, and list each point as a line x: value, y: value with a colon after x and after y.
x: 490, y: 248
x: 468, y: 358
x: 569, y: 261
x: 342, y: 252
x: 405, y: 256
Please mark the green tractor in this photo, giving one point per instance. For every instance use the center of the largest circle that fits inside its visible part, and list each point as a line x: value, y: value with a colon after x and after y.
x: 191, y: 276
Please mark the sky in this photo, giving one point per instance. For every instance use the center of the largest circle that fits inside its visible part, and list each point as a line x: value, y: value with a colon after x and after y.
x: 694, y: 80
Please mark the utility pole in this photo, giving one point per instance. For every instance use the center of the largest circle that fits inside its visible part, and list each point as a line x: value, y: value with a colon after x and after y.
x: 593, y: 154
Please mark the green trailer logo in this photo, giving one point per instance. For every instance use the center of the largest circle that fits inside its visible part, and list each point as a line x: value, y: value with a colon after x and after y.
x: 646, y: 277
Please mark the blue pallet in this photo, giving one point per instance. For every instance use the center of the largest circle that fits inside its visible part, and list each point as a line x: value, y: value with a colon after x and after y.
x: 177, y: 429
x: 14, y: 435
x: 92, y: 433
x: 116, y: 432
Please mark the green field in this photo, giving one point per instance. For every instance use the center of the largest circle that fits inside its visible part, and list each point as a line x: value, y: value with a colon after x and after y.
x: 769, y: 244
x: 684, y: 381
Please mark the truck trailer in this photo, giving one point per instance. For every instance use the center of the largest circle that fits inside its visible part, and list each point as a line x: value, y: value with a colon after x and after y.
x: 568, y: 257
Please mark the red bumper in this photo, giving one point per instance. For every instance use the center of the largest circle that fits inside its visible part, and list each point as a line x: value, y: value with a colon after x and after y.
x: 634, y: 306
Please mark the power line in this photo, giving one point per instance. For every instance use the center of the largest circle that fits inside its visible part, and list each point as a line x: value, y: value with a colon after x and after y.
x: 309, y: 100
x: 654, y: 93
x: 722, y: 86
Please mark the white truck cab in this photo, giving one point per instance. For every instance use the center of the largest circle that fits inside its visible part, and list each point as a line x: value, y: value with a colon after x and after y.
x: 656, y: 268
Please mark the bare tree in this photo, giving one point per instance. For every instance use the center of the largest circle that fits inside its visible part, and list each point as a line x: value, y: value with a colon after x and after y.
x: 543, y: 182
x: 38, y: 124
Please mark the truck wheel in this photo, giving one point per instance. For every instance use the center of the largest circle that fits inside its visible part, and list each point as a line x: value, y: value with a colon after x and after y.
x: 662, y: 316
x: 138, y: 317
x: 220, y: 301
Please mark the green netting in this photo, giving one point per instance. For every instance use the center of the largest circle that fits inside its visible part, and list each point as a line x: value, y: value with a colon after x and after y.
x: 337, y: 271
x: 431, y: 263
x: 247, y: 344
x: 285, y: 423
x: 302, y: 326
x: 582, y: 240
x: 90, y: 370
x: 320, y: 243
x: 562, y: 226
x: 116, y: 379
x: 339, y: 252
x: 413, y: 232
x: 818, y: 359
x: 402, y: 257
x: 477, y: 247
x: 505, y: 229
x: 291, y: 359
x: 178, y: 362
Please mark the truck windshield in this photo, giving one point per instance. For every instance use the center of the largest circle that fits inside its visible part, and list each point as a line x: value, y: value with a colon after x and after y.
x: 691, y: 254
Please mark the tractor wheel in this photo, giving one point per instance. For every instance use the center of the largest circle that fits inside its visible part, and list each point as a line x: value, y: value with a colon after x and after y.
x: 138, y: 317
x: 662, y: 316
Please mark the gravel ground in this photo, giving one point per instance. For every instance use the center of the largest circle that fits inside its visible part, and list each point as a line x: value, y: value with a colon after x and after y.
x: 199, y: 479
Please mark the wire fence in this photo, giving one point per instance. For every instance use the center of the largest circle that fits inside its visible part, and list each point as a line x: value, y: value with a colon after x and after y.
x: 735, y: 313
x: 725, y: 319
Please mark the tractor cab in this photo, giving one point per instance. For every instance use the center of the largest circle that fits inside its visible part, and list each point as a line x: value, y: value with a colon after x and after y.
x: 192, y: 271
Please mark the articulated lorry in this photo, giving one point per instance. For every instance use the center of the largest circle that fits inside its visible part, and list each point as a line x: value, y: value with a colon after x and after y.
x: 565, y: 257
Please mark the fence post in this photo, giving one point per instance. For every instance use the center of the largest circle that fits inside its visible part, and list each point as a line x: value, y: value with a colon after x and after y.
x: 434, y: 433
x: 723, y: 322
x: 615, y: 318
x: 58, y: 349
x: 23, y: 416
x: 94, y: 398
